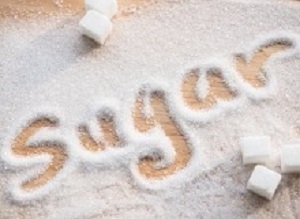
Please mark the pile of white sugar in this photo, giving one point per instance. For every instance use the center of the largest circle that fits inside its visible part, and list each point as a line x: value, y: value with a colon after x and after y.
x: 48, y: 63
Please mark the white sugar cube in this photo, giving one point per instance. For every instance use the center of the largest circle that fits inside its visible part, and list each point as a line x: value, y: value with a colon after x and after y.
x: 264, y: 182
x: 95, y: 26
x: 108, y: 8
x: 290, y: 158
x: 255, y: 149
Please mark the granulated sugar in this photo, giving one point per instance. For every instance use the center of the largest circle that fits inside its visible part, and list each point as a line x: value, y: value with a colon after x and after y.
x: 47, y: 63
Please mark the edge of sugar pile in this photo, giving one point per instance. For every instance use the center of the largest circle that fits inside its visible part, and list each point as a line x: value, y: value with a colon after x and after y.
x: 130, y: 153
x: 264, y: 40
x: 232, y: 78
x: 37, y: 160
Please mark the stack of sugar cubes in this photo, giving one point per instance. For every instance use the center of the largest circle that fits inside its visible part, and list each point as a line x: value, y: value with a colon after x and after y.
x: 96, y: 22
x: 257, y: 150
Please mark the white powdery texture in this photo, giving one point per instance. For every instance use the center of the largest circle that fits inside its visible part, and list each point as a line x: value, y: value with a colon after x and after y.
x: 52, y: 65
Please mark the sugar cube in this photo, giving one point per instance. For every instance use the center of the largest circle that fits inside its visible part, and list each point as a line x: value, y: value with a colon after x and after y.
x: 290, y: 158
x: 95, y: 26
x: 255, y: 149
x: 264, y: 182
x: 108, y: 8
